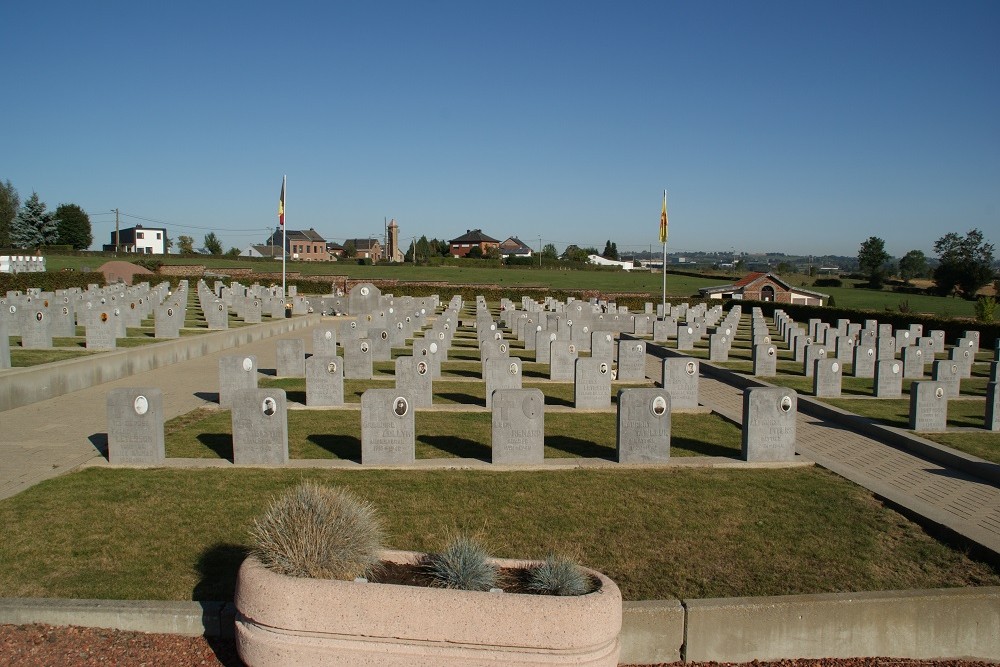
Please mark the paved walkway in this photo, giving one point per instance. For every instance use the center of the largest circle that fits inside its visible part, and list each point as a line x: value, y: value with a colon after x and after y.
x: 51, y: 437
x: 967, y: 505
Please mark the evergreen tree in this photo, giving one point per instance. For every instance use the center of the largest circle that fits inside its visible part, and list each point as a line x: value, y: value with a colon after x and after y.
x: 74, y: 226
x: 872, y: 259
x: 212, y: 244
x: 966, y: 264
x: 9, y: 203
x: 33, y: 226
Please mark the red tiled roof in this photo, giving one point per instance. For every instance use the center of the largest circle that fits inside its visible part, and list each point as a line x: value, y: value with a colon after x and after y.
x: 747, y: 279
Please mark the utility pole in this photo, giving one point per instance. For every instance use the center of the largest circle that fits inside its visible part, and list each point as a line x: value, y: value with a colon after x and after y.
x: 539, y: 252
x: 116, y: 230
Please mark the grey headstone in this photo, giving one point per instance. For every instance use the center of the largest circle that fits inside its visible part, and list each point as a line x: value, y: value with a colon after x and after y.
x: 827, y: 376
x: 260, y: 427
x: 358, y: 359
x: 769, y: 415
x: 948, y: 374
x: 765, y: 360
x: 813, y: 353
x: 167, y: 321
x: 217, y: 315
x: 928, y: 406
x: 643, y: 433
x: 686, y: 336
x: 101, y: 329
x: 324, y: 340
x: 631, y: 360
x: 518, y: 426
x: 381, y: 339
x: 236, y: 372
x: 962, y: 356
x: 885, y: 347
x: 718, y: 347
x: 863, y: 364
x: 592, y: 384
x: 888, y: 379
x: 363, y: 299
x: 324, y: 380
x: 135, y: 426
x: 543, y: 349
x: 501, y: 373
x: 913, y: 361
x: 36, y: 334
x: 680, y: 379
x: 992, y: 421
x: 844, y: 349
x: 388, y: 434
x: 602, y: 346
x: 4, y: 345
x: 291, y: 358
x: 562, y: 360
x: 415, y: 379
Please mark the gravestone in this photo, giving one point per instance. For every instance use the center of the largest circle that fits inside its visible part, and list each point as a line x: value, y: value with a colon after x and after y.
x: 501, y: 373
x: 718, y: 347
x: 562, y: 360
x: 167, y: 321
x: 888, y: 379
x: 827, y: 377
x: 543, y: 349
x: 492, y: 349
x: 252, y: 310
x: 765, y: 360
x: 885, y: 347
x: 602, y: 346
x: 680, y: 379
x: 769, y: 415
x: 260, y: 427
x: 518, y: 426
x: 217, y: 315
x: 63, y: 320
x: 863, y: 364
x: 236, y: 372
x: 631, y: 360
x: 324, y: 380
x: 291, y: 357
x: 324, y: 340
x: 643, y: 433
x: 592, y: 386
x: 913, y: 362
x: 135, y: 426
x: 414, y: 379
x: 844, y: 349
x: 813, y: 353
x: 363, y: 299
x: 4, y: 345
x: 801, y: 342
x: 381, y: 344
x: 388, y: 434
x: 101, y: 330
x: 358, y: 359
x: 938, y: 336
x: 928, y: 407
x: 963, y: 357
x: 686, y: 336
x: 36, y: 334
x: 992, y: 421
x: 948, y: 374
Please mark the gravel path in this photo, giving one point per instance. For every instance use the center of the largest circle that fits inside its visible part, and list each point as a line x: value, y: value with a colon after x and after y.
x: 48, y: 646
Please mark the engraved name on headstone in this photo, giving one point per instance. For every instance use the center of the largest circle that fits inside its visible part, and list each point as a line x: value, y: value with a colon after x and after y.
x: 236, y: 372
x: 768, y: 432
x: 260, y: 427
x: 928, y: 406
x: 888, y: 379
x: 324, y: 380
x: 388, y: 434
x: 643, y: 433
x: 135, y: 426
x: 592, y: 384
x: 518, y: 426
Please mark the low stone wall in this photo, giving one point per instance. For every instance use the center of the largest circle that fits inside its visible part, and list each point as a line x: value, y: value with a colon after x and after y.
x: 917, y: 624
x: 23, y: 386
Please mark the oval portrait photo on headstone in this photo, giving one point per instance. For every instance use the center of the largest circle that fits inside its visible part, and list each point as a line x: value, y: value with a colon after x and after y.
x: 247, y: 364
x: 691, y: 368
x: 785, y: 404
x: 400, y: 406
x: 331, y: 367
x: 421, y: 368
x: 364, y: 346
x: 512, y: 369
x: 658, y: 406
x: 39, y: 316
x: 269, y: 407
x: 141, y: 405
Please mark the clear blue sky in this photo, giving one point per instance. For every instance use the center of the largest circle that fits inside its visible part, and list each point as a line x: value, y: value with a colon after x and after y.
x: 802, y: 127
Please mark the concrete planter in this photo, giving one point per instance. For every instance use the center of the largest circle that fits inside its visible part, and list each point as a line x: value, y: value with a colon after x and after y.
x: 294, y: 621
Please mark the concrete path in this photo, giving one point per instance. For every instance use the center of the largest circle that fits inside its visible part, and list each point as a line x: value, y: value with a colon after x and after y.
x: 965, y: 504
x: 51, y: 437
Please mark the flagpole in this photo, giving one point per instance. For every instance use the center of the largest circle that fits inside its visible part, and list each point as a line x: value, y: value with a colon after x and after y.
x: 284, y: 251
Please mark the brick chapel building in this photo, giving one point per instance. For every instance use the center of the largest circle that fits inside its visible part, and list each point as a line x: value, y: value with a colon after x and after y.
x: 765, y: 287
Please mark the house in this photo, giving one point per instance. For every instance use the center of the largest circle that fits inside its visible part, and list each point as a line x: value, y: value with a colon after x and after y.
x: 366, y: 248
x: 472, y: 238
x: 270, y: 251
x: 515, y: 247
x: 626, y: 265
x: 305, y: 244
x: 761, y: 286
x: 139, y: 239
x: 334, y: 250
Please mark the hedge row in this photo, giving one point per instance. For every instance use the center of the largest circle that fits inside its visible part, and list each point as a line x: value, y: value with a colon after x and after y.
x: 49, y: 281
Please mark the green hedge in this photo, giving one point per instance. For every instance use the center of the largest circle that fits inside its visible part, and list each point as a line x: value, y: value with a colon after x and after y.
x: 49, y: 281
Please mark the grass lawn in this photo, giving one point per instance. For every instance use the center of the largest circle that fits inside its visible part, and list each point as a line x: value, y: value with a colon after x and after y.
x: 326, y: 434
x: 181, y: 534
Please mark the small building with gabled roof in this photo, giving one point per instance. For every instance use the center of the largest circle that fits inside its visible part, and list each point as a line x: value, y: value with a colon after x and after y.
x: 515, y: 247
x: 472, y: 238
x: 761, y: 286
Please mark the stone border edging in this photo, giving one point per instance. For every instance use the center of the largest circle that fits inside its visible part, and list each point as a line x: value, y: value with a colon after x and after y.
x: 918, y: 624
x: 895, y: 437
x: 23, y: 386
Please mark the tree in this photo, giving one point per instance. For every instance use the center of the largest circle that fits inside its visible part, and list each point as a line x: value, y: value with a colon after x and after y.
x: 475, y: 252
x: 33, y: 226
x: 9, y: 203
x: 212, y: 244
x: 965, y: 264
x: 549, y: 251
x: 610, y: 251
x: 233, y: 252
x: 74, y: 226
x: 872, y: 260
x: 912, y: 265
x: 350, y: 250
x: 784, y: 268
x: 185, y: 244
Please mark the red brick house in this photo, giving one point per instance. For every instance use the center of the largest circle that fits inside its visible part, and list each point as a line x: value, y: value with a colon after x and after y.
x: 765, y: 287
x: 472, y: 238
x: 306, y: 244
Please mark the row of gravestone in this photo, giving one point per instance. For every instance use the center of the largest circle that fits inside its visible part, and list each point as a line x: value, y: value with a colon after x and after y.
x: 259, y: 421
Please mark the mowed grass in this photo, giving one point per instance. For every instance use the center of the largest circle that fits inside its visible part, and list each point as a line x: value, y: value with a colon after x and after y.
x: 336, y: 434
x: 181, y: 534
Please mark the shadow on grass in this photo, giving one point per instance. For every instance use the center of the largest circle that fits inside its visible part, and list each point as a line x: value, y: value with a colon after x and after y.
x: 210, y: 396
x: 345, y: 447
x: 296, y: 397
x: 458, y: 372
x: 220, y: 443
x: 460, y: 447
x: 580, y: 447
x: 464, y: 399
x: 217, y: 567
x: 702, y: 448
x: 555, y: 400
x: 271, y: 372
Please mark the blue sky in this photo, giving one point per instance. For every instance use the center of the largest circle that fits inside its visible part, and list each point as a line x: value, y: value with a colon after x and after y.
x: 801, y: 127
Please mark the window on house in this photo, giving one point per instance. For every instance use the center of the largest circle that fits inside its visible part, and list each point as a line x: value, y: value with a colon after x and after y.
x: 157, y: 236
x: 138, y: 235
